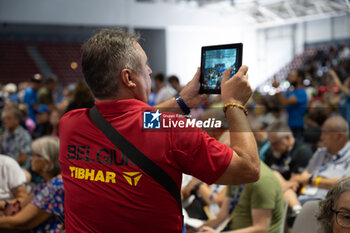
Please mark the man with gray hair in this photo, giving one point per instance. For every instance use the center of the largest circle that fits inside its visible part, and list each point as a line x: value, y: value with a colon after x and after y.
x: 327, y: 166
x: 15, y: 141
x: 288, y: 156
x: 104, y: 190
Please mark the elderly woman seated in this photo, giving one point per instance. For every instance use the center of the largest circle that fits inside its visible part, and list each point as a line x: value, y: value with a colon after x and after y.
x: 334, y: 215
x: 43, y: 210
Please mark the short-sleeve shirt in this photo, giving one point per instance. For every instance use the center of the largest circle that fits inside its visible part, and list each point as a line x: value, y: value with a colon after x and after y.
x: 49, y: 196
x: 294, y: 161
x: 11, y: 177
x: 296, y: 112
x: 266, y: 193
x: 344, y: 107
x: 326, y: 165
x: 19, y: 142
x: 116, y: 195
x: 30, y: 98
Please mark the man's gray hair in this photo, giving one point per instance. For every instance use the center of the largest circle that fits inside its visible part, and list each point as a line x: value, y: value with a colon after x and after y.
x: 49, y: 148
x: 280, y: 128
x: 326, y: 215
x: 16, y: 113
x: 104, y: 56
x: 338, y: 124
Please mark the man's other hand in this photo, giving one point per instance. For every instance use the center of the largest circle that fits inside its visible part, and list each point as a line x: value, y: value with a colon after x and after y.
x: 237, y: 89
x: 190, y: 93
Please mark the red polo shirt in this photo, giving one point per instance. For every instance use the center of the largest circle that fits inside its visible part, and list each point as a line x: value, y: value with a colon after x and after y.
x: 105, y: 192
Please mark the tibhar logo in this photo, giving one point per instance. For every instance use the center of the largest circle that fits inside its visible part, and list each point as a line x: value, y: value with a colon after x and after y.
x: 151, y: 120
x: 132, y: 177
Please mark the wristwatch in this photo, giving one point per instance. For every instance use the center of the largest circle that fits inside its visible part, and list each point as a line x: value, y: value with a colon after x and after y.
x: 182, y: 105
x: 5, y: 203
x: 310, y: 179
x: 196, y: 187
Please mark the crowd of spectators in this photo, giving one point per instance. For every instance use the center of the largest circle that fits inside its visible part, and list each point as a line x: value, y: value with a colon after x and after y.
x: 31, y: 188
x: 301, y: 132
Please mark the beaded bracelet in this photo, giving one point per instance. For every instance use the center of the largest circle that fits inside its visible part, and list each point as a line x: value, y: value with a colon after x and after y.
x: 235, y: 106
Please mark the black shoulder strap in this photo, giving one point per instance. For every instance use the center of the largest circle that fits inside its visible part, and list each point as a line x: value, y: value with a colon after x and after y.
x: 136, y: 156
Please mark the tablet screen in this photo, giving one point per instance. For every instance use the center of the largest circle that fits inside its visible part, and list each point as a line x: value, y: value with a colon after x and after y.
x: 215, y: 60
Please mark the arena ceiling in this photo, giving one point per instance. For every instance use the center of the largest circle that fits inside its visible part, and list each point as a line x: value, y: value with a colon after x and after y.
x: 266, y: 13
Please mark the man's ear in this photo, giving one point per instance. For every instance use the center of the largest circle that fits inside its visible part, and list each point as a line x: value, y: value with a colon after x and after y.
x: 126, y: 78
x: 288, y: 137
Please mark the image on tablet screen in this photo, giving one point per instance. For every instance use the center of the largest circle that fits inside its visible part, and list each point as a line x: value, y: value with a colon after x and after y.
x: 216, y: 62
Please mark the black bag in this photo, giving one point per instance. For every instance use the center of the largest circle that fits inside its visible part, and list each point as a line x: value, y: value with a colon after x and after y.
x: 135, y: 155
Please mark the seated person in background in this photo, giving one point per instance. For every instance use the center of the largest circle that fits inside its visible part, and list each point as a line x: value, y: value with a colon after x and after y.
x: 81, y: 97
x: 43, y: 121
x: 175, y: 83
x: 44, y: 212
x: 212, y: 195
x: 46, y: 93
x: 317, y: 115
x: 287, y: 156
x: 327, y: 166
x: 260, y: 134
x: 26, y: 121
x: 253, y: 207
x: 15, y: 141
x: 164, y: 92
x: 335, y: 209
x: 12, y: 182
x: 55, y: 117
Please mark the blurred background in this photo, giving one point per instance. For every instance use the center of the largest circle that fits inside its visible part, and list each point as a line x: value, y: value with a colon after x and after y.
x: 44, y: 36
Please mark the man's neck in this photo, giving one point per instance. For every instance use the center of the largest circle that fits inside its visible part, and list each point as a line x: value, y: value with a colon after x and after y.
x: 106, y: 100
x: 122, y: 95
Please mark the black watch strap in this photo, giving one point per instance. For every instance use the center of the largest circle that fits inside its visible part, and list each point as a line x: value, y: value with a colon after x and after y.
x: 196, y: 187
x: 6, y: 203
x: 310, y: 179
x: 182, y: 105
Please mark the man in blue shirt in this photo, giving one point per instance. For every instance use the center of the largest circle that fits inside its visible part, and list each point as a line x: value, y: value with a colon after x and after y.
x: 295, y: 101
x: 31, y: 95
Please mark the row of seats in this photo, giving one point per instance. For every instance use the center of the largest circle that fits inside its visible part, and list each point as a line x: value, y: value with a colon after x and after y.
x: 17, y: 65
